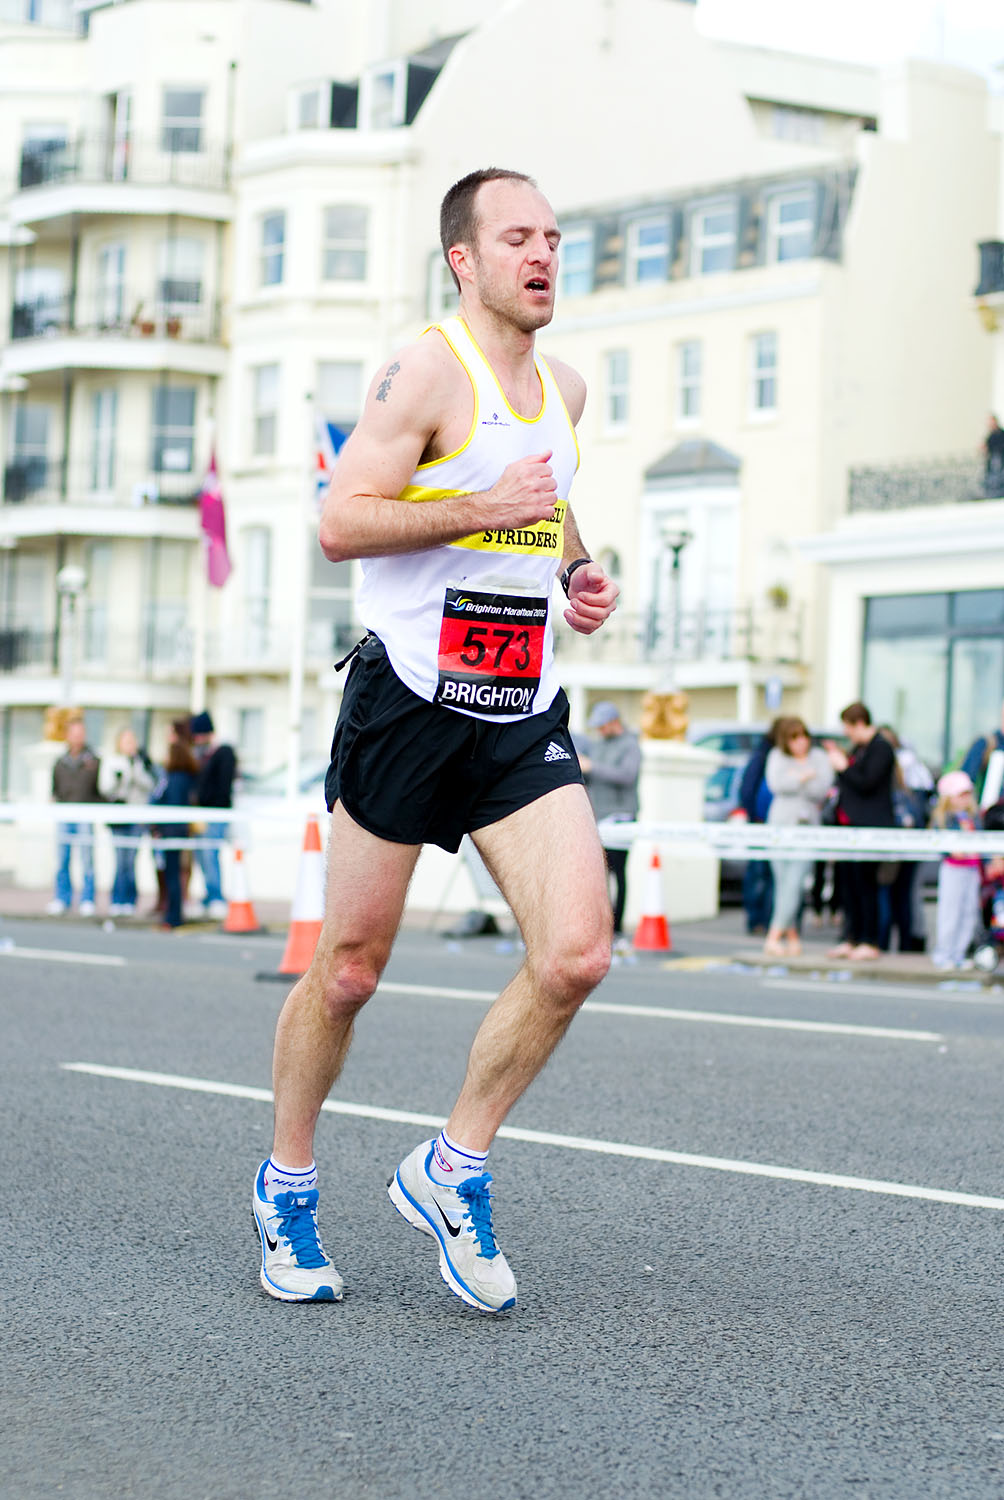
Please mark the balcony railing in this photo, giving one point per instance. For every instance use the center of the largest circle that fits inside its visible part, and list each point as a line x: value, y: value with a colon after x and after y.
x: 936, y: 481
x: 178, y: 157
x: 131, y: 316
x: 991, y: 268
x: 118, y: 482
x: 27, y: 650
x: 697, y: 635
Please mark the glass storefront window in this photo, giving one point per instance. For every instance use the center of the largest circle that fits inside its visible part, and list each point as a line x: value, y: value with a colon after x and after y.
x: 933, y: 668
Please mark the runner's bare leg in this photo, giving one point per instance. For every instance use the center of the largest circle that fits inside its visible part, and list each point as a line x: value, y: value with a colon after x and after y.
x: 367, y: 881
x: 548, y: 863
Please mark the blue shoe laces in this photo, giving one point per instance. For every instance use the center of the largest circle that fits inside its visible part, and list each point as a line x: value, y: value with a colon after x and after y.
x: 297, y: 1224
x: 474, y: 1193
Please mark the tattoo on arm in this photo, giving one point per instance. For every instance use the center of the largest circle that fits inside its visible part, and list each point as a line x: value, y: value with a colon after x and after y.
x: 383, y: 389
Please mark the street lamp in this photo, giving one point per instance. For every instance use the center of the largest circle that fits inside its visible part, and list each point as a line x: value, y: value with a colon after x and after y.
x: 674, y: 541
x: 71, y: 582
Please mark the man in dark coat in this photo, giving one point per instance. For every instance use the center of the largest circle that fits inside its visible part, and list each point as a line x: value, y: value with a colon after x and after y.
x: 214, y: 788
x: 865, y: 783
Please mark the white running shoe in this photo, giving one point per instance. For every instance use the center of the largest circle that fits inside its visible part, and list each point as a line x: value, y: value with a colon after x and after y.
x: 460, y: 1218
x: 294, y: 1267
x: 86, y: 908
x: 55, y: 908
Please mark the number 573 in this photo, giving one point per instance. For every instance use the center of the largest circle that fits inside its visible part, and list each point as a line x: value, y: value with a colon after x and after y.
x: 480, y: 640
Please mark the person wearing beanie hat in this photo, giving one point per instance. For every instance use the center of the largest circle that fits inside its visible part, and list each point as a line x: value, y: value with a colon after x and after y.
x: 214, y: 788
x: 611, y: 763
x: 958, y: 874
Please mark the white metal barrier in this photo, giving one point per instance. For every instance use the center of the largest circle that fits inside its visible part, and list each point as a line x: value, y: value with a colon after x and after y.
x: 772, y: 841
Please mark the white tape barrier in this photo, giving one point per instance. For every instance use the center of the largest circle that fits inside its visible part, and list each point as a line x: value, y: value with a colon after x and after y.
x: 768, y: 841
x: 111, y: 815
x: 732, y: 838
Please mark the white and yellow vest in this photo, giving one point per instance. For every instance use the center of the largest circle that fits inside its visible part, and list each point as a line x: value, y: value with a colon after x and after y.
x: 468, y: 624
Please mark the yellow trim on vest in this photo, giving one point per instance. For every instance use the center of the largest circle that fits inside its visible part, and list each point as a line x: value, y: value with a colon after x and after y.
x: 432, y: 462
x: 546, y: 539
x: 528, y: 421
x: 568, y: 419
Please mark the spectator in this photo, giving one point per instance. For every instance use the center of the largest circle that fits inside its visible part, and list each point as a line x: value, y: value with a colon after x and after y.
x: 899, y: 905
x: 977, y: 759
x: 993, y: 461
x: 611, y: 766
x: 864, y: 781
x: 75, y: 779
x: 958, y: 875
x: 126, y: 776
x: 799, y: 777
x: 754, y: 804
x: 217, y: 770
x: 175, y: 788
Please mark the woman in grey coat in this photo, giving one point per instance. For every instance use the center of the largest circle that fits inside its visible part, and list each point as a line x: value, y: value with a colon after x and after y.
x: 799, y: 777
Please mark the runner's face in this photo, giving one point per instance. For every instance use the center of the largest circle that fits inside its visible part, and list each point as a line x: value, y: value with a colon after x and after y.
x: 516, y: 254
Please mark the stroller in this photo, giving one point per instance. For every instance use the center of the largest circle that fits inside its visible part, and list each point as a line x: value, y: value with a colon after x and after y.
x: 989, y: 943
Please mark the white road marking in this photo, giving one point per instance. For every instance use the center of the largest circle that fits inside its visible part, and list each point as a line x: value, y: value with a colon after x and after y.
x: 565, y: 1142
x: 660, y: 1012
x: 851, y: 987
x: 61, y: 956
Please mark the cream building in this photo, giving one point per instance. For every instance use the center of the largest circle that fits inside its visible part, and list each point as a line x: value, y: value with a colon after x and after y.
x: 223, y: 217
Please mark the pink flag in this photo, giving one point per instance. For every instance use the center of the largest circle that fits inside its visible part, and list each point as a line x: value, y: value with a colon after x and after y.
x: 214, y: 527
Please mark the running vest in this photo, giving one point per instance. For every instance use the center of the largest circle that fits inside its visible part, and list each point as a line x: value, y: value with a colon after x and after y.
x: 468, y: 624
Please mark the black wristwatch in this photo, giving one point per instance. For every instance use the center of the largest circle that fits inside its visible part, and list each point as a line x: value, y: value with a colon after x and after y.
x: 566, y: 577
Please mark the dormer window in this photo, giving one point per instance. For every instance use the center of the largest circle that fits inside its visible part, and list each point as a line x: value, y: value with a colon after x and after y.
x: 382, y: 97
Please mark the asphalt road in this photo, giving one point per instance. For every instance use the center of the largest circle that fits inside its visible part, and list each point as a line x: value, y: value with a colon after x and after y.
x: 695, y: 1319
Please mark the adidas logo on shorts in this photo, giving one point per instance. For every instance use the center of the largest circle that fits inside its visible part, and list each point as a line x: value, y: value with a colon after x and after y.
x: 556, y: 752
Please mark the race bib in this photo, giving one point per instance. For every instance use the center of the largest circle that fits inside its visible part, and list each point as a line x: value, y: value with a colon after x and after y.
x: 491, y: 649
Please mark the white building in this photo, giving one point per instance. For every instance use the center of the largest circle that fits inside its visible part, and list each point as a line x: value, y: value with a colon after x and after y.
x: 223, y: 217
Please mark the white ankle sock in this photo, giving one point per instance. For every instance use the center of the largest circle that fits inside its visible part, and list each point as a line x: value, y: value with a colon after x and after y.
x: 451, y: 1163
x: 280, y: 1179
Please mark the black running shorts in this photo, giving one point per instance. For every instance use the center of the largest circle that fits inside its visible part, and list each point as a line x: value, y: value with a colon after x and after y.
x: 413, y: 772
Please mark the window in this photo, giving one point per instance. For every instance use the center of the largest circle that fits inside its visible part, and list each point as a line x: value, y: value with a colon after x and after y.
x: 346, y: 230
x: 791, y: 225
x: 111, y: 286
x: 713, y: 239
x: 173, y: 429
x: 97, y: 567
x: 264, y: 409
x: 273, y: 248
x: 104, y: 412
x: 444, y: 297
x: 689, y: 357
x: 311, y: 107
x: 648, y: 250
x: 382, y: 98
x: 617, y: 373
x: 167, y: 609
x: 330, y: 613
x: 40, y: 302
x: 179, y: 286
x: 27, y: 472
x: 251, y: 739
x: 789, y: 123
x: 763, y: 372
x: 44, y: 153
x: 181, y: 130
x: 339, y: 390
x: 575, y: 274
x: 257, y: 575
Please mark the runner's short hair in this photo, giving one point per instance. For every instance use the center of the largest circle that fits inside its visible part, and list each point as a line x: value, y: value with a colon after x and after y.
x: 458, y: 217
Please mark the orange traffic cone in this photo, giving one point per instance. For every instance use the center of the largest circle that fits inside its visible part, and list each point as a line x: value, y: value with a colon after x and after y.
x: 308, y: 906
x: 652, y: 934
x: 240, y: 915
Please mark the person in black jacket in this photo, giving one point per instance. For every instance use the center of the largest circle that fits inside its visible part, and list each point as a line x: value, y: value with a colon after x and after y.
x: 754, y: 801
x: 217, y: 769
x: 865, y: 783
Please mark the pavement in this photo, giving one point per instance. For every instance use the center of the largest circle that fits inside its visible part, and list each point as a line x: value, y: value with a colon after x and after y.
x: 712, y: 939
x: 755, y: 1218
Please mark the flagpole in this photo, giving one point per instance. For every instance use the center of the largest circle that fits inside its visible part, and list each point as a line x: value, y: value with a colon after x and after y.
x: 200, y: 601
x: 305, y: 510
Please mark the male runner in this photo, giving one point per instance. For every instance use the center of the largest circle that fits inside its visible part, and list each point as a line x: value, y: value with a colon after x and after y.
x: 453, y: 489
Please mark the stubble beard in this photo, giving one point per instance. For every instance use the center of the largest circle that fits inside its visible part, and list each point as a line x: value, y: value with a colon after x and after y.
x: 505, y: 307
